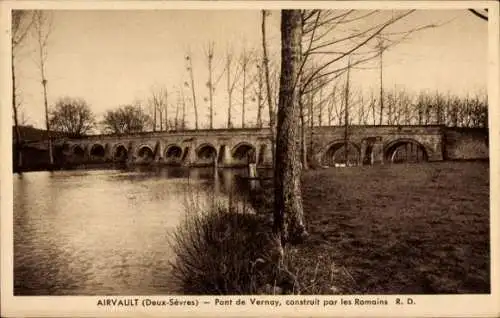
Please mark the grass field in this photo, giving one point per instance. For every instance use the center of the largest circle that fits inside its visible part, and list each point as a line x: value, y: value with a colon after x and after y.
x: 398, y: 229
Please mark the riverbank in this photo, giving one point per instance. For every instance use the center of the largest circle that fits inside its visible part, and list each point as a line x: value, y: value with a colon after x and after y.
x: 395, y: 229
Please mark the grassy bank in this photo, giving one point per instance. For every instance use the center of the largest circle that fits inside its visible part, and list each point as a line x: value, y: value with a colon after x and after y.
x: 403, y: 228
x: 391, y: 229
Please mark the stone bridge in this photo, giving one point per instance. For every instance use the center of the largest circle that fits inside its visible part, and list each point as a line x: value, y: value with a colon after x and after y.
x: 237, y: 147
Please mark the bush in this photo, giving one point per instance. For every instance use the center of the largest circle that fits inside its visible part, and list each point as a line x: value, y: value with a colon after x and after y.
x: 221, y: 251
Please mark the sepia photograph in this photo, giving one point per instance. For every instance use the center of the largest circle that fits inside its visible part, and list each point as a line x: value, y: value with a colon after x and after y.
x: 248, y: 151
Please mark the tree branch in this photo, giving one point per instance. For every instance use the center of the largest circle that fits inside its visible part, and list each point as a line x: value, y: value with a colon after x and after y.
x: 478, y: 14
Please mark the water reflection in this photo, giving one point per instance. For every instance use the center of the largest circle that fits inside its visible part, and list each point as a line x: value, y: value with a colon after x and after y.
x: 105, y: 232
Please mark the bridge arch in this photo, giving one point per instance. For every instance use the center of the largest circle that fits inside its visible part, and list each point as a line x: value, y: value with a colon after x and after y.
x: 145, y: 153
x: 173, y: 151
x: 334, y: 153
x: 405, y: 150
x: 244, y: 152
x: 120, y: 153
x: 206, y: 152
x: 97, y: 151
x: 173, y: 154
x: 78, y: 151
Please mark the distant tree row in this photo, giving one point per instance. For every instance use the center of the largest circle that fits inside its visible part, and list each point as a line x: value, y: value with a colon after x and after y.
x: 74, y: 116
x: 401, y: 107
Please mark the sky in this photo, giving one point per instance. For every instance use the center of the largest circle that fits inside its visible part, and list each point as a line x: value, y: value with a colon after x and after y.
x: 111, y: 58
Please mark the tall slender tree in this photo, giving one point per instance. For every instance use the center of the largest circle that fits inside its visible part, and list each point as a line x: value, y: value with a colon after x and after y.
x: 42, y: 28
x: 183, y: 112
x: 189, y: 67
x: 214, y: 78
x: 245, y: 63
x: 269, y: 93
x: 177, y: 107
x: 22, y: 22
x: 259, y: 93
x: 210, y: 84
x: 232, y: 78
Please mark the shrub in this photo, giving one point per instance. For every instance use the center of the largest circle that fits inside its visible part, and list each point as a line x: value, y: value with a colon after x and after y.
x: 221, y: 251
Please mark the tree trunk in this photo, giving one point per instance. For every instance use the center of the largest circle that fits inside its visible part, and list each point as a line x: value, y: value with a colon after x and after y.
x: 154, y: 117
x: 161, y: 119
x: 42, y: 55
x: 288, y: 213
x: 243, y: 93
x: 259, y: 99
x: 229, y: 92
x: 268, y: 86
x: 47, y: 125
x: 195, y: 106
x: 176, y: 120
x: 165, y: 109
x: 19, y: 163
x: 320, y: 106
x: 210, y: 86
x: 361, y: 111
x: 183, y: 122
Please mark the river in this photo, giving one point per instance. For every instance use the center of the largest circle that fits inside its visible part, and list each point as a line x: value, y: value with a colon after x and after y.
x: 105, y: 232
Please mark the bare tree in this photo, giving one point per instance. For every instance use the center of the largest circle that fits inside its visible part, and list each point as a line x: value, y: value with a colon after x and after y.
x: 320, y: 107
x: 389, y: 101
x: 404, y: 101
x: 42, y: 26
x: 331, y: 104
x: 288, y: 213
x: 189, y: 67
x: 210, y: 86
x: 330, y: 36
x: 158, y: 102
x: 259, y: 92
x: 248, y: 79
x: 177, y: 106
x: 72, y: 116
x: 269, y: 92
x: 183, y: 110
x: 232, y: 78
x: 373, y: 105
x: 361, y: 111
x: 22, y: 22
x: 213, y: 80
